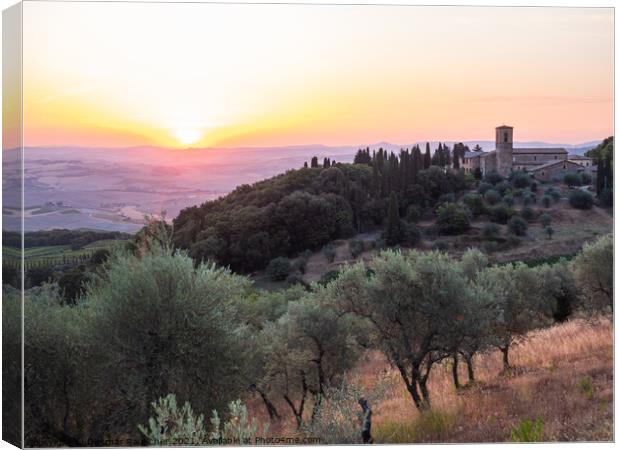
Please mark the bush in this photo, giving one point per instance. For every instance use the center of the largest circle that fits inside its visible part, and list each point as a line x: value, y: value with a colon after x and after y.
x: 521, y: 180
x: 474, y: 203
x: 329, y: 251
x: 414, y: 213
x: 503, y: 188
x: 534, y: 186
x: 447, y: 198
x: 490, y: 230
x: 328, y: 277
x: 546, y: 200
x: 492, y: 196
x: 172, y: 425
x: 528, y: 197
x: 239, y: 427
x: 493, y: 178
x: 528, y: 214
x: 517, y: 225
x: 572, y: 179
x: 500, y: 213
x: 555, y: 195
x: 452, y: 218
x: 528, y: 431
x: 508, y: 200
x: 411, y: 234
x: 440, y: 245
x: 279, y: 268
x: 545, y: 219
x: 356, y: 247
x: 580, y: 199
x: 294, y: 279
x: 585, y: 179
x: 549, y: 232
x: 490, y: 247
x: 483, y: 187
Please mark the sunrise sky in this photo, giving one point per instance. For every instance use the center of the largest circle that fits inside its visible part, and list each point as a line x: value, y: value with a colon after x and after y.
x: 180, y: 75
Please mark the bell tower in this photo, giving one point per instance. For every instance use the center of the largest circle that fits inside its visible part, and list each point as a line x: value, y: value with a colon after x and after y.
x: 503, y: 147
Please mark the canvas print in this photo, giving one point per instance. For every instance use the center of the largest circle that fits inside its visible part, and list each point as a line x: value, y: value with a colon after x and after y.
x: 279, y: 224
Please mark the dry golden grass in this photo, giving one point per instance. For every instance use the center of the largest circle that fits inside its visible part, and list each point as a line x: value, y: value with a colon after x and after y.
x: 563, y: 374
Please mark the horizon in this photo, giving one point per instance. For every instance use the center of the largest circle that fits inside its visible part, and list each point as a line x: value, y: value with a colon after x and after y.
x: 371, y: 74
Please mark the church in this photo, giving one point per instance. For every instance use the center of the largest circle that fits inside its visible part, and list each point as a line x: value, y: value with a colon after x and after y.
x: 545, y: 164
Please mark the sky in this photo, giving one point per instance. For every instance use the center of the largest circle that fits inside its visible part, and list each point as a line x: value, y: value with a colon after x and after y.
x: 225, y: 75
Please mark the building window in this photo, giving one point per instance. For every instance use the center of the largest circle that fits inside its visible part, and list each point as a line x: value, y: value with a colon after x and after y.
x: 555, y: 157
x: 543, y: 174
x: 505, y: 137
x: 534, y: 158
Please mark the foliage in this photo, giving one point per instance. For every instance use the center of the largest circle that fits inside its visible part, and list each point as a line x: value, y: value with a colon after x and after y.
x: 593, y: 274
x: 490, y: 230
x: 500, y: 213
x: 173, y: 425
x: 329, y: 251
x: 239, y: 428
x: 528, y: 214
x: 483, y: 187
x: 528, y: 431
x: 521, y: 180
x: 580, y: 199
x: 546, y: 200
x: 394, y: 233
x: 452, y: 218
x: 517, y: 225
x: 474, y: 203
x: 492, y: 196
x: 493, y: 178
x: 572, y: 179
x: 545, y: 219
x: 356, y: 247
x: 549, y: 232
x: 279, y: 268
x: 586, y: 387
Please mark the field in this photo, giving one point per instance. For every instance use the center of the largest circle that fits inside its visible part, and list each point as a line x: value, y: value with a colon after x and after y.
x: 562, y: 376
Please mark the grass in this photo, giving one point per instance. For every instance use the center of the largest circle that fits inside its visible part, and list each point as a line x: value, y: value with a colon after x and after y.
x: 528, y: 431
x: 58, y: 251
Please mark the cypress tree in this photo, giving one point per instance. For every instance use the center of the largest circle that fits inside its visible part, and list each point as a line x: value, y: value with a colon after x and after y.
x: 393, y: 233
x: 427, y: 156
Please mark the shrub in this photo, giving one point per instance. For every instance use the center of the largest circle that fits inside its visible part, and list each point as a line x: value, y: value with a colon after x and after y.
x: 528, y: 214
x: 434, y: 425
x: 521, y: 180
x: 585, y: 178
x: 483, y: 187
x: 580, y: 199
x: 294, y: 279
x: 328, y: 277
x: 490, y: 247
x: 329, y: 251
x: 546, y: 200
x: 500, y: 213
x: 534, y: 186
x: 508, y: 200
x: 549, y: 231
x: 492, y: 196
x: 414, y: 213
x: 555, y: 195
x: 545, y: 219
x: 528, y: 431
x: 517, y: 225
x: 239, y: 426
x: 572, y: 179
x: 172, y: 425
x: 493, y: 178
x: 503, y: 188
x: 356, y: 247
x: 452, y: 218
x: 442, y: 246
x: 411, y: 233
x: 490, y: 230
x: 528, y: 197
x: 279, y: 268
x: 474, y: 203
x: 446, y: 198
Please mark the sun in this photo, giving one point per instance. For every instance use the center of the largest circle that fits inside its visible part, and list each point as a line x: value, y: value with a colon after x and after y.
x: 187, y: 136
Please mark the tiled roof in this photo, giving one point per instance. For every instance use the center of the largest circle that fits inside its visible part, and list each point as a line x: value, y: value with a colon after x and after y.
x: 473, y: 154
x: 579, y: 157
x: 551, y: 163
x: 547, y: 150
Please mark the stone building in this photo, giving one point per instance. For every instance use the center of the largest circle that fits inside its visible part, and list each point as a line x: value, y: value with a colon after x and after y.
x: 543, y: 163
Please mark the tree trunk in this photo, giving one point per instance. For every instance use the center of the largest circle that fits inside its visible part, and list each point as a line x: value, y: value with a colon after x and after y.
x: 426, y: 399
x: 504, y: 350
x: 470, y: 368
x: 271, y: 409
x: 455, y: 370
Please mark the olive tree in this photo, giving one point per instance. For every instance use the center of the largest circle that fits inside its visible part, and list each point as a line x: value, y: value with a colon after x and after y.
x: 593, y: 272
x: 164, y: 325
x: 515, y: 290
x: 411, y: 303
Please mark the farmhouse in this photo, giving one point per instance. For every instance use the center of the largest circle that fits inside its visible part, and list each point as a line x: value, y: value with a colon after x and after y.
x: 546, y: 164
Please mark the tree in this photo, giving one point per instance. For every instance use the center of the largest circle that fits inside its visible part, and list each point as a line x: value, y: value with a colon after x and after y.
x: 410, y: 302
x: 549, y: 231
x: 493, y: 178
x: 474, y: 203
x: 514, y: 289
x: 545, y: 220
x: 427, y: 156
x: 546, y: 201
x: 593, y: 272
x: 517, y: 225
x: 452, y: 218
x: 492, y: 196
x: 329, y: 251
x: 161, y: 325
x: 314, y: 162
x: 580, y: 199
x: 393, y: 234
x: 279, y: 268
x: 572, y: 179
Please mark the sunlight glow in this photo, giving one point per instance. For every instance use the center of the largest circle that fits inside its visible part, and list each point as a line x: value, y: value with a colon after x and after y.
x: 187, y: 136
